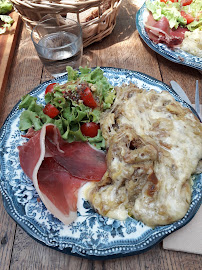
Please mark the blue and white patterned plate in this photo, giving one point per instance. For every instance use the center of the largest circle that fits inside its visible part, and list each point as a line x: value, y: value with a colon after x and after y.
x: 91, y: 235
x: 178, y: 56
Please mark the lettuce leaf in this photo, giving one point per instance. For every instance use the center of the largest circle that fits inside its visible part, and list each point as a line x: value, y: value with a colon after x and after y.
x: 8, y: 22
x: 195, y: 9
x: 73, y: 113
x: 5, y: 6
x: 104, y: 90
x: 97, y: 141
x: 195, y: 25
x: 172, y: 11
x: 72, y: 74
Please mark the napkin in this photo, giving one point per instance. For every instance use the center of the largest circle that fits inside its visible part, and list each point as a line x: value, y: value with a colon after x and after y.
x: 189, y: 237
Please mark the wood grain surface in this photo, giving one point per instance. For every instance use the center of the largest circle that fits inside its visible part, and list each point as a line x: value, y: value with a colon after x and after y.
x: 123, y: 49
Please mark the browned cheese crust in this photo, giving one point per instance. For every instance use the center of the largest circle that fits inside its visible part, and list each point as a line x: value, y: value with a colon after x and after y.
x: 153, y: 147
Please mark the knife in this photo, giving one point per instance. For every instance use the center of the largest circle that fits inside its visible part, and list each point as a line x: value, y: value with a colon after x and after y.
x: 180, y: 92
x: 197, y: 104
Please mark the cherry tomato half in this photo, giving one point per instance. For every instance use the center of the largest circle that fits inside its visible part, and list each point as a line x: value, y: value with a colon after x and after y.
x: 187, y: 16
x: 49, y: 88
x: 186, y: 2
x: 51, y: 110
x: 87, y: 97
x: 164, y: 1
x: 90, y: 129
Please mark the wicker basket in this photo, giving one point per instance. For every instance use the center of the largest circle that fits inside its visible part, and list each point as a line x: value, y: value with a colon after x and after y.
x: 97, y: 17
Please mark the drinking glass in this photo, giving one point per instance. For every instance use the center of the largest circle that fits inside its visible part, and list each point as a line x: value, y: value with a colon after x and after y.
x: 58, y: 42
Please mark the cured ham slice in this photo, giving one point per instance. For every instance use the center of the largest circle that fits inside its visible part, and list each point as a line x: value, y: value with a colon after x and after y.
x: 31, y: 132
x: 58, y: 169
x: 79, y: 159
x: 160, y: 31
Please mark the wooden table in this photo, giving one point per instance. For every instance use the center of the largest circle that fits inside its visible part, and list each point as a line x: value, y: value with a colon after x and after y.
x: 123, y: 49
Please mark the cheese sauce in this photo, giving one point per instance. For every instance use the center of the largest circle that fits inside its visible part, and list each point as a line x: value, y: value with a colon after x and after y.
x: 154, y: 146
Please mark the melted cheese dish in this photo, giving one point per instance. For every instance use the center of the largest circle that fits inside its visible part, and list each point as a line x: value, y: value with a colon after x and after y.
x: 154, y: 146
x: 192, y: 42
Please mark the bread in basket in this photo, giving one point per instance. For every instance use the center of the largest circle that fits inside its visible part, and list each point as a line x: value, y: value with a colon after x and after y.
x: 97, y: 17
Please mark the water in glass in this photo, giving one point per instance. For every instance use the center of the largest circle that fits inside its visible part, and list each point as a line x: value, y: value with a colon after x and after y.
x: 59, y: 50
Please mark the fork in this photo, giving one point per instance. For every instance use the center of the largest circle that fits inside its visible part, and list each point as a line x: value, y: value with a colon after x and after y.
x: 197, y: 103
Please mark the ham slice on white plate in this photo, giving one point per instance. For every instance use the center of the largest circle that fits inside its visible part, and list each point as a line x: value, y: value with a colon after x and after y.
x: 160, y: 31
x: 58, y: 169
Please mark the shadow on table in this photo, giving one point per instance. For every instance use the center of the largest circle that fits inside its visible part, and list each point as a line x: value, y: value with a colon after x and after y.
x: 124, y: 28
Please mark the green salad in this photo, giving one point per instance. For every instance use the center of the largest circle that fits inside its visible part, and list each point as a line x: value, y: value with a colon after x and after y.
x: 6, y: 20
x: 74, y: 107
x: 185, y: 13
